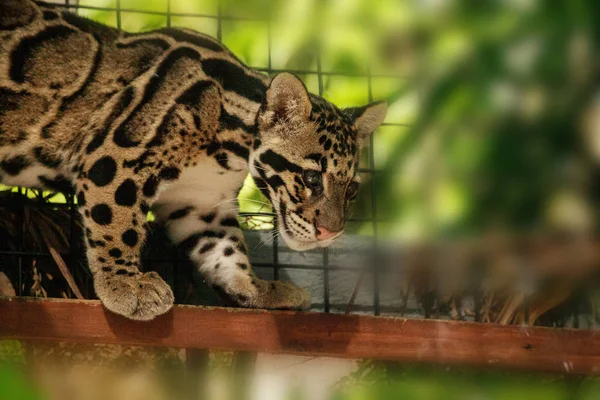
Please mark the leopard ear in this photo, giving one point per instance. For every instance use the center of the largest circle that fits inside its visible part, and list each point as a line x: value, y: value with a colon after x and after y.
x: 368, y: 118
x: 286, y: 100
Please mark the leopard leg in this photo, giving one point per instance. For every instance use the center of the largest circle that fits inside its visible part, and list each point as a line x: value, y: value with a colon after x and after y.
x: 212, y: 238
x: 114, y: 215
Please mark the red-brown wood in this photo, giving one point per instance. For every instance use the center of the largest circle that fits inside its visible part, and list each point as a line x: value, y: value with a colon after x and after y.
x: 447, y: 342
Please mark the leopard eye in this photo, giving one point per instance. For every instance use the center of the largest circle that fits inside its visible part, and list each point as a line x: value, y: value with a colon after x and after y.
x: 352, y: 190
x: 314, y: 181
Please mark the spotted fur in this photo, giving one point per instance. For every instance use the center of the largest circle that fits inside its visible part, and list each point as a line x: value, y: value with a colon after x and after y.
x: 169, y: 120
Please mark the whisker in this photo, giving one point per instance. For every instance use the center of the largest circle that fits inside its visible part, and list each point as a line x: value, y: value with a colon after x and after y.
x: 224, y: 201
x: 266, y: 238
x: 258, y: 202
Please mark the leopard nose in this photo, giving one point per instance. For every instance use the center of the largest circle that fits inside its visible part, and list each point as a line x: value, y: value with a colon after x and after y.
x: 324, y: 233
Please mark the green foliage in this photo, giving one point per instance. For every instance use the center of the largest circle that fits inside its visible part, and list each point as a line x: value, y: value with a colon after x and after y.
x: 14, y: 384
x: 374, y: 381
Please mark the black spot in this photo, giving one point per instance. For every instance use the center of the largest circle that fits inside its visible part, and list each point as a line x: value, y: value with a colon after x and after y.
x: 230, y: 221
x: 278, y: 162
x: 217, y: 265
x: 211, y: 148
x: 316, y: 157
x: 189, y: 243
x: 169, y: 173
x: 236, y: 149
x: 106, y: 269
x: 102, y: 259
x: 234, y: 78
x: 275, y: 182
x: 114, y: 252
x: 46, y: 159
x: 242, y: 265
x: 261, y: 184
x: 207, y: 247
x: 102, y: 214
x: 14, y: 166
x: 213, y: 234
x: 327, y: 145
x: 324, y: 164
x: 49, y: 15
x: 124, y: 100
x: 283, y: 211
x: 208, y: 218
x: 182, y: 212
x: 121, y: 272
x: 81, y: 199
x: 103, y: 171
x: 120, y: 262
x: 228, y: 251
x: 126, y: 194
x: 222, y: 160
x: 242, y: 248
x: 150, y: 186
x: 231, y: 122
x: 58, y: 184
x: 130, y: 237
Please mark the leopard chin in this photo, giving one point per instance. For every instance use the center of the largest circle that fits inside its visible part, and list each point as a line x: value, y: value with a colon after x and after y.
x: 298, y: 245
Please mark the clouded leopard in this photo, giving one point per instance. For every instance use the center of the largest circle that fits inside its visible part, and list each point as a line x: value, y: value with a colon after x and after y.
x: 170, y: 121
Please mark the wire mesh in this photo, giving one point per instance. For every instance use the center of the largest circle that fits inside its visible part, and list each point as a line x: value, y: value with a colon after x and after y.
x: 180, y: 277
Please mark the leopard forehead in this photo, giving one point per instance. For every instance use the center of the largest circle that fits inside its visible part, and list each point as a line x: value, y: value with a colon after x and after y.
x: 335, y: 130
x: 326, y: 141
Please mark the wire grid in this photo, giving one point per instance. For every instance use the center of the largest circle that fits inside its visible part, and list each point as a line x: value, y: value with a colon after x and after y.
x: 76, y: 253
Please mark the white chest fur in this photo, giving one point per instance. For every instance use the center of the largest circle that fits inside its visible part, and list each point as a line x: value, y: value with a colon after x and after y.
x: 204, y: 187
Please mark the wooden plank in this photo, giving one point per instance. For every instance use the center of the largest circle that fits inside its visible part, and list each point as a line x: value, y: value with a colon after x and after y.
x: 448, y: 342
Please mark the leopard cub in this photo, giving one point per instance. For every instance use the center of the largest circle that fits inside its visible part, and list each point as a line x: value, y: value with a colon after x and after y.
x: 170, y: 121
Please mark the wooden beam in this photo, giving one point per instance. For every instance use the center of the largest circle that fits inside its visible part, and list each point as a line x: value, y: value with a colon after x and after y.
x: 447, y: 342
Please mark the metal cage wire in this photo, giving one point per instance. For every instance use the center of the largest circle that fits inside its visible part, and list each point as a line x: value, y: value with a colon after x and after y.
x: 370, y: 171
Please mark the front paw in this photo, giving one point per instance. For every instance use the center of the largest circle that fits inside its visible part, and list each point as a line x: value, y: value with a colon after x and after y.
x: 276, y: 295
x: 139, y: 296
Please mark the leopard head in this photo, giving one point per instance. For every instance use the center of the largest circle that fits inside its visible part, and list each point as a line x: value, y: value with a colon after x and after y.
x: 305, y: 160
